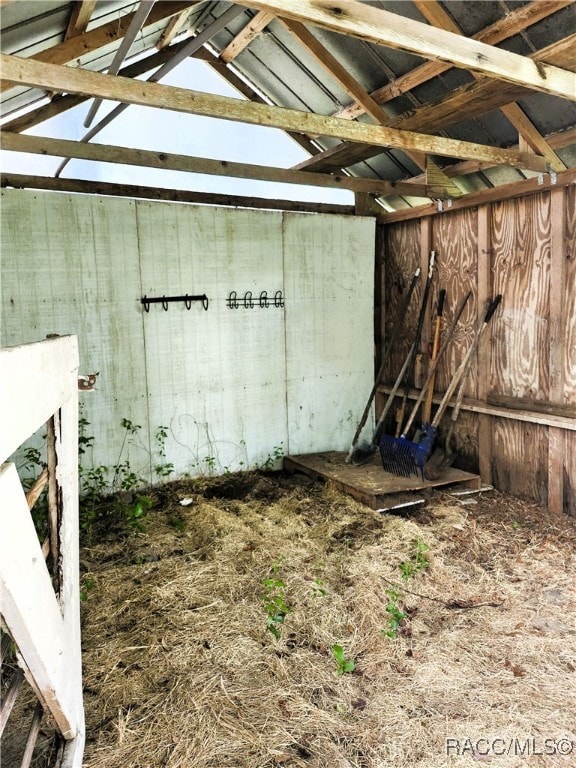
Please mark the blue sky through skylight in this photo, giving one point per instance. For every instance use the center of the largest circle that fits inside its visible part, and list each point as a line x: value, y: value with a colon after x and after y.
x: 164, y: 131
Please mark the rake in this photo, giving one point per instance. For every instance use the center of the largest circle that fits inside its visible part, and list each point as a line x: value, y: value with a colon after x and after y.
x: 404, y: 457
x: 361, y: 454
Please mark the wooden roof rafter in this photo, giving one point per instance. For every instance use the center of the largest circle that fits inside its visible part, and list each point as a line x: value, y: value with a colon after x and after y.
x: 388, y: 29
x: 361, y: 96
x: 78, y: 46
x: 79, y: 18
x: 248, y: 33
x: 437, y: 16
x: 465, y: 102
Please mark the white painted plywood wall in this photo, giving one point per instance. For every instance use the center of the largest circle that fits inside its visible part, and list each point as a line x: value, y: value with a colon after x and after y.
x: 232, y: 385
x: 329, y: 277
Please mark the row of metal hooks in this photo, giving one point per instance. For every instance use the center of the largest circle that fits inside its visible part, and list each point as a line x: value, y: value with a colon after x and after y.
x: 165, y: 300
x: 248, y: 301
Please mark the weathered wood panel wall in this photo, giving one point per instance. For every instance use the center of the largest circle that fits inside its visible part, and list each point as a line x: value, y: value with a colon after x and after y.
x: 519, y: 421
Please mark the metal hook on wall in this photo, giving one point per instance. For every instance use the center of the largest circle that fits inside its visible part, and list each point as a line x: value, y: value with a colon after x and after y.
x: 248, y: 303
x: 264, y: 299
x: 278, y: 299
x: 165, y: 300
x: 232, y: 300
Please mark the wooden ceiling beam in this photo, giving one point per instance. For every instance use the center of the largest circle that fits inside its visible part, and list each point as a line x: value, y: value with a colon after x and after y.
x: 384, y: 28
x: 81, y: 186
x: 174, y: 27
x: 79, y: 46
x: 556, y: 141
x: 67, y: 79
x: 466, y: 102
x: 495, y: 194
x: 243, y: 39
x: 436, y: 15
x: 510, y: 25
x: 39, y: 145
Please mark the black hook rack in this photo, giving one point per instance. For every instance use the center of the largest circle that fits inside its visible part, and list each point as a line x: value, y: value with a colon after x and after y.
x: 248, y: 302
x: 165, y: 300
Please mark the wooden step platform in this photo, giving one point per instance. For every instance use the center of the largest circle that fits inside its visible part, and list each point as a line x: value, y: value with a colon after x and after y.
x: 369, y: 483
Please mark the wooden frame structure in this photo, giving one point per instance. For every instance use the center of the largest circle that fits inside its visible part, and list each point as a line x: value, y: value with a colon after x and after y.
x: 40, y: 609
x: 397, y: 120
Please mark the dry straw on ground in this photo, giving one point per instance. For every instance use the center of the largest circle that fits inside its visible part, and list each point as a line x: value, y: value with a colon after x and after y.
x: 181, y: 671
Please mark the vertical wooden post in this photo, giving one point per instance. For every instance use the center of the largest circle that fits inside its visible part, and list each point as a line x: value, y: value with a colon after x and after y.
x: 484, y: 288
x: 556, y: 347
x: 66, y: 430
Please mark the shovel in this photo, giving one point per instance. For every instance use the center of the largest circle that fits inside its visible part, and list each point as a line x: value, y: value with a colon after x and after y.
x: 407, y: 457
x: 442, y: 458
x: 432, y: 371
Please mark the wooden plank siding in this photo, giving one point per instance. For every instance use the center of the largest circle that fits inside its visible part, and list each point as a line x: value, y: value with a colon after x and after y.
x: 524, y: 248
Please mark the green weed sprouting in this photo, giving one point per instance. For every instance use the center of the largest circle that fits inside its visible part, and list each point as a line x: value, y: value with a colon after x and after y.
x: 344, y: 665
x: 86, y: 585
x: 395, y: 614
x: 275, y: 455
x: 408, y: 568
x: 274, y: 602
x: 163, y: 468
x: 417, y: 563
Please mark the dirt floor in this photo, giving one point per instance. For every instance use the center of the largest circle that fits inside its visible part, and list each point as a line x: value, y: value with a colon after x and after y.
x: 469, y: 660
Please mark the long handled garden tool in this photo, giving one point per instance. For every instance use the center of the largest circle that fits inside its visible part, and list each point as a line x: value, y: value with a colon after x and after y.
x: 444, y: 457
x: 362, y: 454
x: 432, y: 370
x: 407, y: 457
x: 427, y: 407
x: 395, y: 330
x: 410, y: 370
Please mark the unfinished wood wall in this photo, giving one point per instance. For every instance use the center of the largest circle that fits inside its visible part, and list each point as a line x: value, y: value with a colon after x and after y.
x: 518, y: 425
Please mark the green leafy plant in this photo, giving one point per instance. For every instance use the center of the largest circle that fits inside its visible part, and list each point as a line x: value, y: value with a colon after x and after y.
x: 395, y: 614
x: 273, y: 457
x: 163, y: 468
x: 210, y: 462
x: 134, y: 514
x: 274, y: 602
x: 30, y: 466
x: 417, y: 563
x: 344, y: 665
x: 408, y: 568
x: 318, y: 590
x: 86, y: 585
